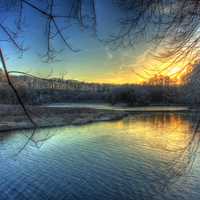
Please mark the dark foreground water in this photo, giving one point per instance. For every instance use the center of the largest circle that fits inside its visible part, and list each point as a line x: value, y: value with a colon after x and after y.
x: 146, y: 156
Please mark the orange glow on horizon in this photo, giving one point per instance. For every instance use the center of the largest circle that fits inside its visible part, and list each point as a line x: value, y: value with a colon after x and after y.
x: 130, y: 76
x: 145, y: 68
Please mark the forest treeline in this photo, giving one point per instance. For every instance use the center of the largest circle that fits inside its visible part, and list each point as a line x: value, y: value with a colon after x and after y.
x: 131, y: 95
x: 159, y: 90
x: 36, y: 91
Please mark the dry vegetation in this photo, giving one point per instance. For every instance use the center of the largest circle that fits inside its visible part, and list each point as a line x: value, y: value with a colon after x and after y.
x: 12, y: 117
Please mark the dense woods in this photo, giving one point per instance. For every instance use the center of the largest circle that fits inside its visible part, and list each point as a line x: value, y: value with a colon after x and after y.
x: 42, y: 91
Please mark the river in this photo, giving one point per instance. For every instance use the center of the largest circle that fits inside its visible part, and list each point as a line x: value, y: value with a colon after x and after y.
x: 143, y: 156
x: 119, y: 107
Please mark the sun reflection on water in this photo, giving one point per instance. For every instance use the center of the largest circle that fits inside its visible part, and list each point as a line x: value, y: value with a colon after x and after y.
x: 142, y: 154
x: 167, y: 131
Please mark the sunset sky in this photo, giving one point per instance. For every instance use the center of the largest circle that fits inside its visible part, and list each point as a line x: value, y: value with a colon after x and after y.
x: 95, y: 62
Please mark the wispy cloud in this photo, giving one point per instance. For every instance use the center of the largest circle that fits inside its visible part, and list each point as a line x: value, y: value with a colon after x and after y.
x: 108, y: 53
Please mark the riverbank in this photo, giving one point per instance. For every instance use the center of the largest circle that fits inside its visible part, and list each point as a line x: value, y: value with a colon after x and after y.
x: 12, y: 117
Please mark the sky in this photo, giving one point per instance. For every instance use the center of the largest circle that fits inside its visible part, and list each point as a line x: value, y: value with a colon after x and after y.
x: 96, y: 61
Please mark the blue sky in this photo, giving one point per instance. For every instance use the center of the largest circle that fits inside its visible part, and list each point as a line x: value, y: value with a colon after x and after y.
x: 95, y: 62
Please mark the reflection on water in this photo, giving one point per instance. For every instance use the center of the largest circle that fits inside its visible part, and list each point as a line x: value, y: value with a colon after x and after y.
x: 146, y: 156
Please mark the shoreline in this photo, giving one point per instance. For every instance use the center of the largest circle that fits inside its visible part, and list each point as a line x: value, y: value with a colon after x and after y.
x: 12, y: 117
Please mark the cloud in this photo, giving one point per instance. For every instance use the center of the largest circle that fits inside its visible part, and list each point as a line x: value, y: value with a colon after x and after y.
x: 108, y: 53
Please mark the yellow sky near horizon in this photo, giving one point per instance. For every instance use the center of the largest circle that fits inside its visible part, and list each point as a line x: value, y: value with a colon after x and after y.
x: 144, y: 69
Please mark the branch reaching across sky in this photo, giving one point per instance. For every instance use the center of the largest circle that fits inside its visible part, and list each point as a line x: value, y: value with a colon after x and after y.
x: 172, y: 24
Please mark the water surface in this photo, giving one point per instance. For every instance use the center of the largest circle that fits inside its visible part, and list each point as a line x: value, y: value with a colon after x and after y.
x: 145, y: 156
x: 118, y: 107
